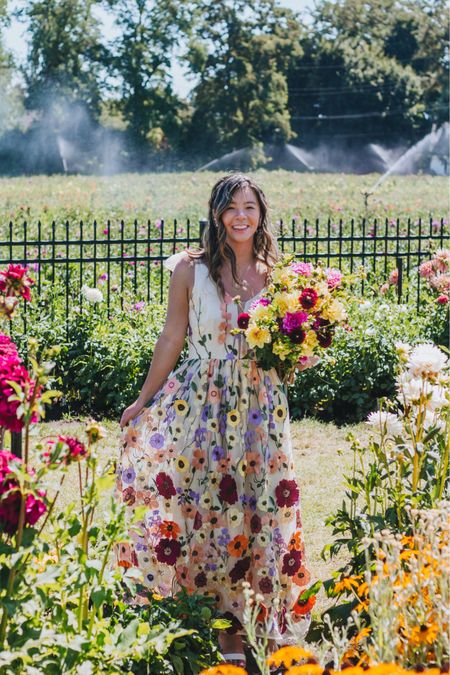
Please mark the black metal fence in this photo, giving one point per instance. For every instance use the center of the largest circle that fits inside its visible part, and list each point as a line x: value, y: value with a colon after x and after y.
x: 124, y: 260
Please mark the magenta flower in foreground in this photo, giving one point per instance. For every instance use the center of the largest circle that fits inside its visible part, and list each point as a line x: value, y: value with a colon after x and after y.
x: 11, y: 497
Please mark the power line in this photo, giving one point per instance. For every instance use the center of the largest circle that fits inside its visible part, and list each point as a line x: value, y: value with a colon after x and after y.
x: 360, y: 115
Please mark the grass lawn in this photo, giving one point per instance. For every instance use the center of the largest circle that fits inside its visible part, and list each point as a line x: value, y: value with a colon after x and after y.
x: 322, y: 455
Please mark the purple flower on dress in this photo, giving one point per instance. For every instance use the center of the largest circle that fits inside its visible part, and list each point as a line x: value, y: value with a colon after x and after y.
x: 224, y: 537
x: 230, y: 356
x: 254, y: 416
x: 195, y: 496
x: 171, y: 414
x: 249, y: 436
x: 157, y: 441
x: 278, y: 537
x: 222, y: 423
x: 200, y: 434
x: 128, y: 475
x: 205, y: 413
x: 218, y: 453
x: 252, y: 503
x: 271, y: 422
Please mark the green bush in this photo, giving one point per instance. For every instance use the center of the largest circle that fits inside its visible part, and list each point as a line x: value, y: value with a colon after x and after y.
x: 102, y: 363
x: 360, y: 366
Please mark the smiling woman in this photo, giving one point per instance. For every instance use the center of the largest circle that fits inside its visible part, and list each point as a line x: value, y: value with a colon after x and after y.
x: 224, y: 474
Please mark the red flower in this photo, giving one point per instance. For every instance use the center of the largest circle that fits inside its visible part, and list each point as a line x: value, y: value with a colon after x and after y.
x: 292, y: 561
x: 75, y: 448
x: 325, y: 338
x: 200, y: 580
x: 165, y: 485
x: 442, y: 299
x: 129, y: 495
x: 15, y: 281
x: 265, y: 585
x: 308, y: 298
x: 287, y: 493
x: 11, y: 368
x: 255, y: 523
x: 297, y: 336
x: 243, y: 319
x: 304, y: 606
x: 239, y: 570
x: 228, y: 490
x: 11, y: 497
x: 167, y: 551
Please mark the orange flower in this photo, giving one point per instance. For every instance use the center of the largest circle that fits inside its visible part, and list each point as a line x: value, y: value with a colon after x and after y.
x: 303, y: 606
x: 295, y: 542
x: 169, y: 529
x: 287, y: 656
x: 238, y: 545
x: 301, y: 577
x: 305, y: 669
x: 224, y: 670
x: 347, y: 583
x: 425, y: 634
x: 253, y: 461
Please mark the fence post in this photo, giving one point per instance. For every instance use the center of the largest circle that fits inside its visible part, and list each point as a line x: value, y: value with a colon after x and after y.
x: 16, y: 443
x: 399, y: 262
x: 203, y: 223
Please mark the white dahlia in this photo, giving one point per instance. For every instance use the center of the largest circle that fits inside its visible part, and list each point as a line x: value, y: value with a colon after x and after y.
x: 426, y: 360
x: 92, y: 295
x: 386, y: 423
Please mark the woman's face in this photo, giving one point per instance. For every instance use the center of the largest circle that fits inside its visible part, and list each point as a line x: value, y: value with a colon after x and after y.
x: 241, y: 217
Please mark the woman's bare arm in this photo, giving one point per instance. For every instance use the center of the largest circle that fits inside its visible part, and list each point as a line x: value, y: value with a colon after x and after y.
x: 171, y: 341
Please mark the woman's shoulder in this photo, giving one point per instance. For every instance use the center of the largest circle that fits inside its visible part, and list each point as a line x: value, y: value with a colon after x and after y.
x: 183, y: 260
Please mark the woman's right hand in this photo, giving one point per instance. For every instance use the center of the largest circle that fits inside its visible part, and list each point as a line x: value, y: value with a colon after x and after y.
x: 130, y: 413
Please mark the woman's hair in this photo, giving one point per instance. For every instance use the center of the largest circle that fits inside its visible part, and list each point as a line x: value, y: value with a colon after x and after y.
x: 215, y: 248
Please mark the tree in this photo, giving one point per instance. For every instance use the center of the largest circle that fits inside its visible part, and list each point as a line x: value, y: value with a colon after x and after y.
x: 65, y: 55
x: 11, y: 99
x: 141, y: 60
x: 240, y: 53
x: 371, y: 69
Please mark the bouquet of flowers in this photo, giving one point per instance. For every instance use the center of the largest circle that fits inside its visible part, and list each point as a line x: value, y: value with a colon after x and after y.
x: 294, y: 320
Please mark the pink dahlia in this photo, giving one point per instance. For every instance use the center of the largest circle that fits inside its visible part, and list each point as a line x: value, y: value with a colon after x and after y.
x: 442, y: 299
x: 393, y: 277
x: 11, y: 368
x: 11, y: 497
x: 303, y: 268
x: 15, y: 281
x: 426, y: 269
x: 292, y: 321
x: 334, y: 277
x: 75, y: 449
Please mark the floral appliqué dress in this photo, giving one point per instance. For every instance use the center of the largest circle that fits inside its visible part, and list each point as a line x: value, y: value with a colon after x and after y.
x: 210, y: 459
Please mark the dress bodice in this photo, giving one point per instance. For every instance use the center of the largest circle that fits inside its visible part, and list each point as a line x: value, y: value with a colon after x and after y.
x: 211, y: 320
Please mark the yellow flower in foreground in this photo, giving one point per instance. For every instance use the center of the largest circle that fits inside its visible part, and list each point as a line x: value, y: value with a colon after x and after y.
x: 305, y: 669
x: 224, y: 670
x: 385, y: 669
x: 261, y: 313
x: 425, y: 634
x: 334, y: 311
x: 257, y: 337
x: 285, y: 302
x: 346, y: 584
x: 281, y: 350
x: 286, y: 656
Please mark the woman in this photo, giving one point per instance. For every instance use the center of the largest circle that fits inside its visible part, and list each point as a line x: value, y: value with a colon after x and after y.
x: 211, y: 456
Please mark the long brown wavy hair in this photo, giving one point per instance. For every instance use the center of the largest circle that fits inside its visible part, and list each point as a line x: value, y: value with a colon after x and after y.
x: 215, y: 249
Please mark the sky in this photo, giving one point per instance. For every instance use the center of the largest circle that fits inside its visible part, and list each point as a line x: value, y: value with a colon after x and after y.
x: 15, y: 40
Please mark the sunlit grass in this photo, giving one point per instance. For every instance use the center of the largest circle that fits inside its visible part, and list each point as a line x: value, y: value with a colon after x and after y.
x: 321, y: 454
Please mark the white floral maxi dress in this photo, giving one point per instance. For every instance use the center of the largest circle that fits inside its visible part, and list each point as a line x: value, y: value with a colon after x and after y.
x: 210, y: 458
